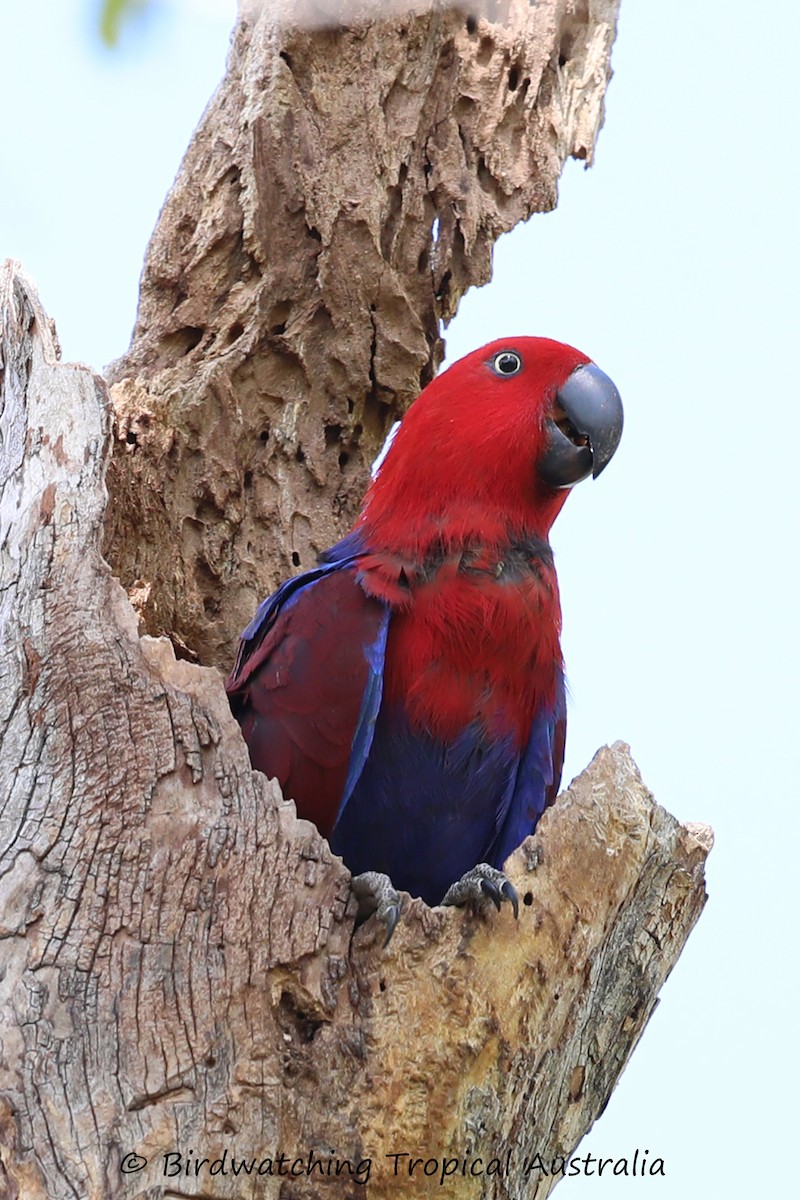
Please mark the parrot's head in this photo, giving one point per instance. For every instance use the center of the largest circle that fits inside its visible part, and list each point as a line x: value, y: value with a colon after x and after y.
x: 495, y: 443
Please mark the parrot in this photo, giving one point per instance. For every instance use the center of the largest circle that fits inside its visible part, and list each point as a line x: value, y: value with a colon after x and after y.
x: 408, y: 691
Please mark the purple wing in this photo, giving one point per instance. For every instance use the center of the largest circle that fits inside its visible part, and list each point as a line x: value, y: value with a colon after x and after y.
x: 425, y: 812
x: 537, y: 779
x: 307, y: 685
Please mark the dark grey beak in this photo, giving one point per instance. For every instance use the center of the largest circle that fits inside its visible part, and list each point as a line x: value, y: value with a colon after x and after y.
x: 584, y: 430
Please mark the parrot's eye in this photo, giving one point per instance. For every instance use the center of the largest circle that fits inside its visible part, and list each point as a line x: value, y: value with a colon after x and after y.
x: 507, y: 362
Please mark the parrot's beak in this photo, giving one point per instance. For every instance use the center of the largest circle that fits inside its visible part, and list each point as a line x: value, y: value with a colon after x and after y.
x: 583, y: 428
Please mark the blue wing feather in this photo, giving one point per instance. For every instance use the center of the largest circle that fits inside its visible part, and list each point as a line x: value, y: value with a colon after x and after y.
x: 375, y: 654
x: 425, y: 813
x: 536, y: 781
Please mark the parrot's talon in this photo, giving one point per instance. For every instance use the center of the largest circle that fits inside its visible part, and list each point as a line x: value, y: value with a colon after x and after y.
x: 390, y: 919
x: 376, y: 894
x: 510, y: 893
x: 493, y: 892
x: 480, y: 884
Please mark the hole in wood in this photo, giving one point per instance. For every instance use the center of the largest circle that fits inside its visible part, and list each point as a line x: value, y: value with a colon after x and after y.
x: 278, y: 316
x: 294, y: 1021
x: 191, y: 336
x: 444, y: 286
x: 182, y: 341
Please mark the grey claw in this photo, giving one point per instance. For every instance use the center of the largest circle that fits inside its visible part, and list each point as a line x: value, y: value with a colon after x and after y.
x: 490, y: 889
x: 480, y: 884
x: 506, y: 891
x: 510, y: 893
x: 389, y: 918
x: 376, y: 894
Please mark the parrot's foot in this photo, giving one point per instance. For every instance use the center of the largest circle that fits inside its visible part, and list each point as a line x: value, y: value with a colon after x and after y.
x: 481, y: 883
x: 376, y: 894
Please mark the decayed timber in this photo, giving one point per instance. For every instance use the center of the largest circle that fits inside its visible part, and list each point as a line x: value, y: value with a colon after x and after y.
x: 344, y: 188
x: 179, y: 974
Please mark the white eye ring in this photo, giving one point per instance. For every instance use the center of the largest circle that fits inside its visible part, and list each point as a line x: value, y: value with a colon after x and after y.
x: 506, y: 363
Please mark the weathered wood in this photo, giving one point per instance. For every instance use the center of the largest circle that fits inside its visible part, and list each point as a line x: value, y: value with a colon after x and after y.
x: 344, y: 189
x: 178, y: 968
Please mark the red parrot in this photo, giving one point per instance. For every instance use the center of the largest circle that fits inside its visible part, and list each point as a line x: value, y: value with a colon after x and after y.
x: 408, y: 692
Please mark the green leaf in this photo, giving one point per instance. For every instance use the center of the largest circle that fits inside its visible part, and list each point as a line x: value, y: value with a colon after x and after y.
x: 114, y: 14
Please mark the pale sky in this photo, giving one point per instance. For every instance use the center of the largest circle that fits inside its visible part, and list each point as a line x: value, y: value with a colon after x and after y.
x: 673, y: 262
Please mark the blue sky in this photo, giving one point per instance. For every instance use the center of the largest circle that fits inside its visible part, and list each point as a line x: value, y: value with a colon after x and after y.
x: 674, y: 263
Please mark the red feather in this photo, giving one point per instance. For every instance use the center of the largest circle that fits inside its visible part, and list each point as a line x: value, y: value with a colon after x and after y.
x: 480, y: 644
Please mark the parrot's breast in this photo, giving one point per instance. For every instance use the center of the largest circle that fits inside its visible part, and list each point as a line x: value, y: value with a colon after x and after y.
x: 477, y: 643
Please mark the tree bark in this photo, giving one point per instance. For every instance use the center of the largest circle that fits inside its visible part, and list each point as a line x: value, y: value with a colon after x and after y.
x: 180, y: 978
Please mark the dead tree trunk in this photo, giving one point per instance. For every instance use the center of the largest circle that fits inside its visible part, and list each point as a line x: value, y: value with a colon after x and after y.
x: 179, y: 976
